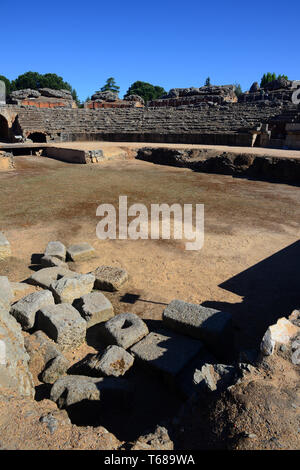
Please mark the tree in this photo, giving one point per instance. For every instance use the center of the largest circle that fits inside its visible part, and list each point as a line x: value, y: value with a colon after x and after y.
x: 238, y: 89
x: 270, y: 77
x: 207, y: 82
x: 7, y: 84
x: 111, y: 85
x: 35, y: 80
x: 147, y: 91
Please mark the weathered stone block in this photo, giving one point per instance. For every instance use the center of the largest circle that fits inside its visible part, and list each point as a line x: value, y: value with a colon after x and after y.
x: 45, y: 357
x: 53, y: 261
x: 63, y: 324
x: 281, y: 332
x: 166, y: 352
x: 56, y: 249
x: 14, y: 372
x: 124, y: 330
x: 114, y: 361
x: 5, y: 250
x: 94, y: 308
x: 213, y: 327
x: 67, y: 289
x: 109, y: 278
x: 80, y: 252
x: 73, y: 389
x: 25, y: 309
x: 44, y: 277
x: 6, y: 292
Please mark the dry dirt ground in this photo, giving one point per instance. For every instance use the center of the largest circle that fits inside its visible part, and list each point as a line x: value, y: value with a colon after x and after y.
x: 249, y: 264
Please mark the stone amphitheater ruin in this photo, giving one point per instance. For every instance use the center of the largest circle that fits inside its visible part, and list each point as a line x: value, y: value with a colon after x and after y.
x: 139, y: 344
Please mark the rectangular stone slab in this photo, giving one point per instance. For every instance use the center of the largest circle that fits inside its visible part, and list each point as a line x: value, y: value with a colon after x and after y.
x: 166, y: 352
x: 211, y: 326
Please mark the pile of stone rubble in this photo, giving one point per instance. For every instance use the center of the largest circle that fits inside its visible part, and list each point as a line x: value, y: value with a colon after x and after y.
x: 190, y: 350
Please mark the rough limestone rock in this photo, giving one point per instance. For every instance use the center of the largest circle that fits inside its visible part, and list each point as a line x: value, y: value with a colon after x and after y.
x: 110, y: 278
x: 46, y: 276
x: 123, y: 330
x: 6, y: 292
x: 114, y: 361
x: 134, y: 97
x: 94, y: 308
x: 80, y: 252
x: 281, y: 332
x: 212, y: 377
x: 56, y: 249
x: 105, y: 96
x: 23, y: 94
x: 5, y: 251
x: 50, y: 93
x: 25, y: 309
x: 295, y: 317
x: 63, y: 324
x: 166, y: 352
x: 72, y: 389
x: 14, y: 372
x: 158, y: 440
x: 45, y: 357
x: 53, y: 261
x: 213, y: 327
x: 67, y: 289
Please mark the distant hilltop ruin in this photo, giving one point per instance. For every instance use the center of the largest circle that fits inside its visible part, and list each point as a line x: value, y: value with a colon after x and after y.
x: 42, y: 98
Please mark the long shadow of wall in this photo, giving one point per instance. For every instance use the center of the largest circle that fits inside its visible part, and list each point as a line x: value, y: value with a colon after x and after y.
x: 271, y: 289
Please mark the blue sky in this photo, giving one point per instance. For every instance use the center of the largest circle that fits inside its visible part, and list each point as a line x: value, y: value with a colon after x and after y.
x: 166, y: 43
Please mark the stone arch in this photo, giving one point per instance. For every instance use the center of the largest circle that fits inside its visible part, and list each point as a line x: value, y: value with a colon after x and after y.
x: 4, y: 129
x: 37, y: 137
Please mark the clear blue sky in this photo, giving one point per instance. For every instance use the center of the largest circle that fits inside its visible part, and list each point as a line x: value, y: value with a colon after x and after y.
x: 167, y: 43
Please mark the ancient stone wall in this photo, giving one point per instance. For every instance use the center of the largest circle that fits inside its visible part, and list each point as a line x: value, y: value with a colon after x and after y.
x: 230, y: 124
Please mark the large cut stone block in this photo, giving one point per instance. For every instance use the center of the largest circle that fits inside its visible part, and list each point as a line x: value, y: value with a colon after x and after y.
x: 63, y: 324
x: 6, y: 292
x: 109, y: 278
x: 114, y: 361
x: 45, y: 357
x: 56, y: 249
x: 80, y: 252
x: 67, y: 289
x: 124, y: 330
x: 94, y: 308
x: 213, y: 327
x: 25, y: 309
x: 5, y: 250
x: 166, y: 352
x: 108, y: 391
x: 45, y: 277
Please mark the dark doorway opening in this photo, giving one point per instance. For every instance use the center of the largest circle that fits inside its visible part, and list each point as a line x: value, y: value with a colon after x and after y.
x: 37, y: 137
x: 4, y: 130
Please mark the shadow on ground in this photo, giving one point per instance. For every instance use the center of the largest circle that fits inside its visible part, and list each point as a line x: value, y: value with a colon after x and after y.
x: 270, y: 289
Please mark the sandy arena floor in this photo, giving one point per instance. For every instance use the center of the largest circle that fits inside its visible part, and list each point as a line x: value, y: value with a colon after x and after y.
x: 249, y: 264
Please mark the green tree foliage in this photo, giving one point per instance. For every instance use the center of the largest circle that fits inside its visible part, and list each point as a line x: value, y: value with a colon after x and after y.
x: 207, y: 82
x: 270, y: 77
x: 7, y: 84
x: 35, y: 80
x: 111, y: 85
x: 147, y: 91
x: 238, y: 89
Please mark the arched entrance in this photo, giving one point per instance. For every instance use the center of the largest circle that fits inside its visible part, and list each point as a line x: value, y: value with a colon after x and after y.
x: 4, y: 130
x: 37, y: 137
